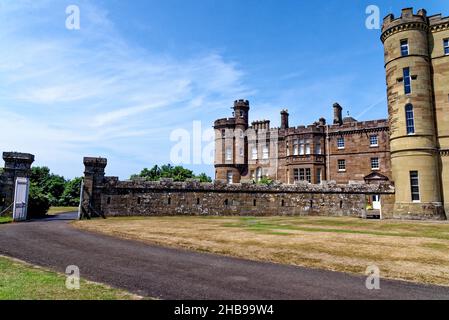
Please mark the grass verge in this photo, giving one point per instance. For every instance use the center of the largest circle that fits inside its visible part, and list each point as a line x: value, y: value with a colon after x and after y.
x: 22, y: 281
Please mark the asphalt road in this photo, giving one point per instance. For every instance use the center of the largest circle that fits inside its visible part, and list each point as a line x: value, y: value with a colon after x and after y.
x: 165, y: 273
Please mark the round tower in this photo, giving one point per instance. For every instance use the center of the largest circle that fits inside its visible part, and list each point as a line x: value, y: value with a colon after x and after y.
x: 414, y: 157
x: 231, y: 149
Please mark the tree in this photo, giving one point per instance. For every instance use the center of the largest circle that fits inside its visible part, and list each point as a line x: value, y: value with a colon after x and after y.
x: 177, y: 173
x: 71, y: 195
x: 50, y: 184
x: 38, y: 201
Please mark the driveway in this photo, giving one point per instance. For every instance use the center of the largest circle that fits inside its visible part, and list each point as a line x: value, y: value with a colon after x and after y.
x: 166, y: 273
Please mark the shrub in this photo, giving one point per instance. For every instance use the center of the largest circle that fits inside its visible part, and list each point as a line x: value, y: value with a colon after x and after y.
x: 38, y: 202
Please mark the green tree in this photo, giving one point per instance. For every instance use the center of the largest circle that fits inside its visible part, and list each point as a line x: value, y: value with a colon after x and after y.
x: 50, y: 184
x: 71, y: 195
x: 177, y: 173
x: 38, y: 201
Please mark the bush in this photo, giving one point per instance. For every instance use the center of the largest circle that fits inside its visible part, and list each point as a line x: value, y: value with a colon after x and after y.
x: 71, y: 195
x: 38, y: 202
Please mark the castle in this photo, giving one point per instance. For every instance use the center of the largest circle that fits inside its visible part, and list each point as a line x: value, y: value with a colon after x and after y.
x: 395, y: 168
x: 410, y: 149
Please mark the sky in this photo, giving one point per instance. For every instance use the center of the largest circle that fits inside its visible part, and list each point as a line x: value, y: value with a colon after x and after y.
x: 138, y: 71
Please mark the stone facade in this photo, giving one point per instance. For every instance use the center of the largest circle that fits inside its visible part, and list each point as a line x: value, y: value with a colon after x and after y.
x: 16, y: 165
x: 410, y: 149
x: 312, y: 153
x: 112, y: 197
x: 417, y: 72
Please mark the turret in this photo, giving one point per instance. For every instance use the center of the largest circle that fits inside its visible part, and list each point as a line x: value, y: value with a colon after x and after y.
x: 241, y: 113
x: 414, y: 156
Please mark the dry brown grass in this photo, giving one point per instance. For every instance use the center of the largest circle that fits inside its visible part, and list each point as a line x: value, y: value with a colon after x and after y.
x: 412, y: 251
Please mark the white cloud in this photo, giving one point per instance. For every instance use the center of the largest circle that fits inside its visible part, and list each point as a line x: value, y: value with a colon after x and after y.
x: 65, y: 94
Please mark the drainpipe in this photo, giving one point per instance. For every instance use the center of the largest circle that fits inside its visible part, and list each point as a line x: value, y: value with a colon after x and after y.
x: 327, y: 150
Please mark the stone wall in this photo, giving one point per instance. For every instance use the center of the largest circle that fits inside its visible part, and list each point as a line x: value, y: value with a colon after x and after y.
x: 112, y: 197
x: 130, y: 198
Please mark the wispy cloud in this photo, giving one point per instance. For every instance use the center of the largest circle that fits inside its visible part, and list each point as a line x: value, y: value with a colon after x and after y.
x: 64, y: 94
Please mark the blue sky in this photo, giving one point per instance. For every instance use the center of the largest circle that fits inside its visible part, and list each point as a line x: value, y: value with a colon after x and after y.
x: 137, y: 70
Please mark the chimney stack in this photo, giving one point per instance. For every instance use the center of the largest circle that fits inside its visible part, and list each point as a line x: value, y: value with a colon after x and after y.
x: 284, y: 119
x: 338, y: 118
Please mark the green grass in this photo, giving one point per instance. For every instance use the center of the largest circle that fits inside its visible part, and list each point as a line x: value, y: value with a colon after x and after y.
x: 4, y: 220
x: 57, y: 210
x: 21, y: 281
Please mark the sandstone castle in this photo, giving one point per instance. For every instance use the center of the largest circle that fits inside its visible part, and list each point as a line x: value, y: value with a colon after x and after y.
x: 395, y: 168
x: 409, y: 149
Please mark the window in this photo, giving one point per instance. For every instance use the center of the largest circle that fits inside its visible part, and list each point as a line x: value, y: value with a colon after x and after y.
x: 374, y: 141
x: 308, y: 148
x: 318, y: 176
x: 295, y: 147
x: 301, y: 147
x: 302, y: 174
x: 228, y: 154
x: 446, y: 46
x: 308, y: 175
x: 414, y: 183
x: 341, y: 143
x: 375, y: 164
x: 265, y: 152
x: 254, y: 153
x: 410, y: 119
x: 407, y: 81
x: 229, y: 177
x: 287, y: 148
x: 296, y: 174
x: 404, y: 47
x: 318, y: 147
x: 341, y: 165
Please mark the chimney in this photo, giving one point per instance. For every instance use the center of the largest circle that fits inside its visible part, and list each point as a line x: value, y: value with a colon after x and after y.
x: 284, y: 119
x: 338, y: 118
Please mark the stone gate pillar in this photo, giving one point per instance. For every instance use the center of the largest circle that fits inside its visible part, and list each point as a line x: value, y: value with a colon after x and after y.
x: 17, y: 165
x: 93, y: 186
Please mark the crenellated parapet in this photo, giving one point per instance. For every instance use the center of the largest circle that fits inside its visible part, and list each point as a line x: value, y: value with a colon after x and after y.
x: 407, y: 21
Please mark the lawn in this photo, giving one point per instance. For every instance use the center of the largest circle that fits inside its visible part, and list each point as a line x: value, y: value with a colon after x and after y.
x: 412, y: 251
x: 4, y: 220
x: 57, y: 210
x: 21, y: 281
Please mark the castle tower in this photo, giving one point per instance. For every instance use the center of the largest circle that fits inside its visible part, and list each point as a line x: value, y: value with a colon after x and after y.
x: 413, y: 134
x: 231, y: 147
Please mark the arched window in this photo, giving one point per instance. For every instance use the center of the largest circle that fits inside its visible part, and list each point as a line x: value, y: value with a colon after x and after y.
x: 410, y: 119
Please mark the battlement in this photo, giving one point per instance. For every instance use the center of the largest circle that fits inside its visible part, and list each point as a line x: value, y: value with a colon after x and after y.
x: 224, y: 122
x: 261, y: 125
x: 241, y: 103
x: 407, y: 20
